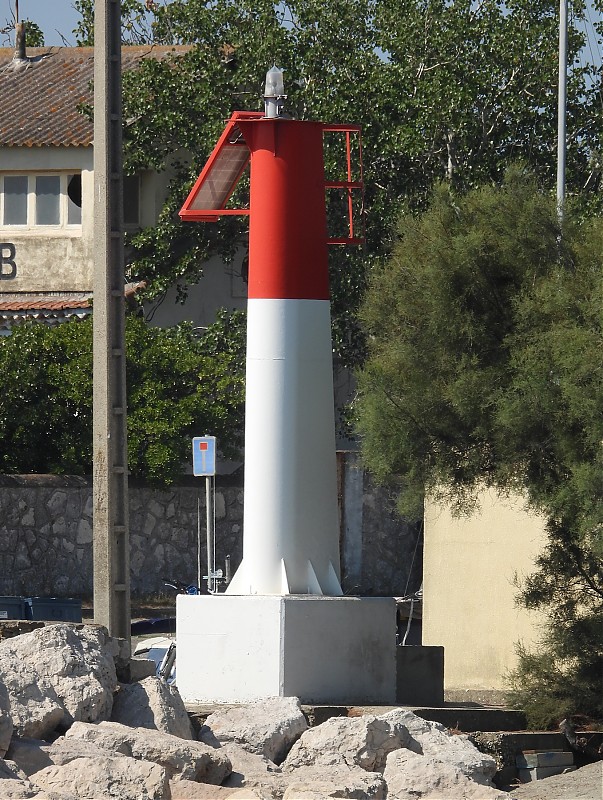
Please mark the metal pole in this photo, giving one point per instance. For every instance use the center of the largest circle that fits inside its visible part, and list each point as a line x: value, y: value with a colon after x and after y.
x: 561, y: 108
x: 209, y: 529
x: 199, y: 570
x: 110, y: 462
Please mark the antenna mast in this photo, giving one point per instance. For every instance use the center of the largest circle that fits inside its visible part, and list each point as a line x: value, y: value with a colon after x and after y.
x: 561, y: 108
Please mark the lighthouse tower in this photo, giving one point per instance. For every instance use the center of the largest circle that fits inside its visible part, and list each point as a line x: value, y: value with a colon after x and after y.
x: 283, y: 626
x: 290, y: 528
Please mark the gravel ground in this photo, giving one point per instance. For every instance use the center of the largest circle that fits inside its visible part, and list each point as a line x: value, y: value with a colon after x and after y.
x: 585, y: 783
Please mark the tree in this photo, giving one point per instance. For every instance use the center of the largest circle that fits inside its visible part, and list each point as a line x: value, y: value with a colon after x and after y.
x: 428, y: 113
x: 136, y: 22
x: 179, y: 385
x: 34, y: 34
x: 485, y: 334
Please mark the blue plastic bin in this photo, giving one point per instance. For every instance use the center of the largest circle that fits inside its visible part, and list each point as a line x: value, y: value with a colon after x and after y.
x: 54, y: 609
x: 12, y: 608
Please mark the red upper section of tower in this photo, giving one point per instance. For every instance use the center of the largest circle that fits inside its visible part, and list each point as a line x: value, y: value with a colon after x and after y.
x: 288, y: 228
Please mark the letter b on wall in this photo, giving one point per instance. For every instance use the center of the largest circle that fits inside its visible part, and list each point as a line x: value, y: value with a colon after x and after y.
x: 8, y: 265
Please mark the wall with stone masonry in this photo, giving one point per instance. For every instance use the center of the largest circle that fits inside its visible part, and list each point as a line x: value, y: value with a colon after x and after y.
x: 46, y: 536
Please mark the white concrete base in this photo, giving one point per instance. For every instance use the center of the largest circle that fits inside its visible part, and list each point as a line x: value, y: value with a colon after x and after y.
x: 327, y: 650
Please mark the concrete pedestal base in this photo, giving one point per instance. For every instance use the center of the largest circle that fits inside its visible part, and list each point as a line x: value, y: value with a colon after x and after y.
x: 325, y: 650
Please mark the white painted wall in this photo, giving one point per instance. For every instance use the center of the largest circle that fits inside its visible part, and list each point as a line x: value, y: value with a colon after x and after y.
x: 49, y: 259
x: 61, y: 259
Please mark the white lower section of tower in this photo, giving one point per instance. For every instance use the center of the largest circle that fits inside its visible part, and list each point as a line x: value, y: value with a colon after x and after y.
x: 290, y: 525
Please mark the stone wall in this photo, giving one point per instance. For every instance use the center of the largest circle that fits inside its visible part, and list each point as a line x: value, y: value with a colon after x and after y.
x: 46, y: 536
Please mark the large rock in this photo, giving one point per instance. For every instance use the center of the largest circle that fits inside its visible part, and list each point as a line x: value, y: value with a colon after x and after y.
x: 10, y: 770
x: 360, y: 741
x: 253, y: 771
x: 63, y: 750
x: 14, y: 785
x: 432, y: 739
x: 56, y: 675
x: 331, y: 776
x: 188, y: 790
x: 187, y: 760
x: 110, y: 777
x: 153, y: 704
x: 6, y: 722
x: 30, y: 755
x: 267, y: 727
x: 411, y: 776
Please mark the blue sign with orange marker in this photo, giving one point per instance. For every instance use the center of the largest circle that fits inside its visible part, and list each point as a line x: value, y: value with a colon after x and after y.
x: 204, y: 456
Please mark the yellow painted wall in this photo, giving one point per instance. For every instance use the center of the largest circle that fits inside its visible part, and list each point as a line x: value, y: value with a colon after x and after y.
x: 468, y: 592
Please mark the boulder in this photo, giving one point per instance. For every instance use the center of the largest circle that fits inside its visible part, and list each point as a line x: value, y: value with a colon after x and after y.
x: 331, y: 776
x: 14, y: 785
x: 30, y: 755
x: 152, y: 704
x: 109, y: 777
x: 360, y: 741
x: 10, y: 770
x: 63, y: 750
x: 187, y: 760
x: 266, y: 727
x: 252, y: 771
x: 56, y: 675
x: 17, y: 789
x: 189, y: 790
x: 411, y: 776
x: 6, y: 722
x: 433, y: 739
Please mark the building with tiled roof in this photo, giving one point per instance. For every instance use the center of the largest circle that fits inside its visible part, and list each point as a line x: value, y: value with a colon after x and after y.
x: 46, y: 181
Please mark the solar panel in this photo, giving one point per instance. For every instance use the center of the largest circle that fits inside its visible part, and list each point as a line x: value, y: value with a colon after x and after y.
x: 220, y: 182
x: 217, y: 181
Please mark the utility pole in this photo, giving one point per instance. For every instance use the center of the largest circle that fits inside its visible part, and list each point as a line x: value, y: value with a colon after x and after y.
x: 110, y: 460
x: 561, y: 108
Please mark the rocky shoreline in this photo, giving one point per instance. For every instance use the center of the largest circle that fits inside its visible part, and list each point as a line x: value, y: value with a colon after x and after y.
x: 70, y: 729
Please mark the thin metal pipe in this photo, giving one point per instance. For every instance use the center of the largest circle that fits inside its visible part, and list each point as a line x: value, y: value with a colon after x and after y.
x: 209, y: 520
x: 561, y: 109
x: 199, y: 567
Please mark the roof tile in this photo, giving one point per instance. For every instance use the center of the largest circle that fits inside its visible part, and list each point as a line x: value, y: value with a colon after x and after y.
x: 44, y: 304
x: 40, y: 98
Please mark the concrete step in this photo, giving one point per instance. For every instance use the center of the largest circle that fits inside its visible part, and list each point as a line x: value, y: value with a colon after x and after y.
x: 549, y: 741
x: 474, y: 718
x: 538, y: 773
x: 464, y: 717
x: 525, y: 754
x: 551, y: 758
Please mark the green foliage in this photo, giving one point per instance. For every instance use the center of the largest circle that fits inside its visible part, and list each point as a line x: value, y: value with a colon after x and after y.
x: 485, y: 334
x: 438, y: 315
x: 182, y: 385
x: 550, y: 685
x: 34, y: 34
x: 179, y: 385
x: 46, y: 406
x: 136, y: 22
x: 391, y: 66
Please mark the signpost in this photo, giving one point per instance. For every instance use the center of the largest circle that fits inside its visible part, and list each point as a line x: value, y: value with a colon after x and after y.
x: 204, y: 456
x: 204, y: 465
